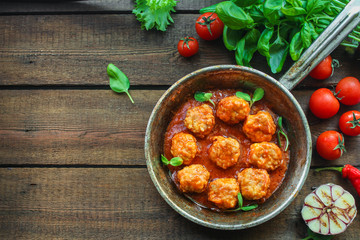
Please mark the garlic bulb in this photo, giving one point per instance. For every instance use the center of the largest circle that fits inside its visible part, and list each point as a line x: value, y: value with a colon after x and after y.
x: 329, y: 209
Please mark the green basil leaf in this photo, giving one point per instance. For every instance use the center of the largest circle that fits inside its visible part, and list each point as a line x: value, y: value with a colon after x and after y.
x: 293, y: 11
x: 244, y: 96
x: 316, y: 6
x: 313, y: 33
x: 208, y: 9
x: 263, y: 45
x: 316, y: 236
x: 256, y: 13
x: 278, y: 53
x: 200, y: 96
x: 244, y: 3
x: 231, y: 37
x: 258, y: 94
x: 233, y: 16
x: 119, y: 82
x: 176, y: 161
x: 272, y: 10
x: 240, y: 46
x: 164, y: 160
x: 295, y: 3
x: 250, y: 207
x: 296, y: 46
x: 240, y: 200
x: 251, y: 39
x: 306, y: 35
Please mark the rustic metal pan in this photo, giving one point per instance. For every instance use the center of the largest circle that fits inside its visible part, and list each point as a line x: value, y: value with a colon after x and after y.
x: 283, y: 103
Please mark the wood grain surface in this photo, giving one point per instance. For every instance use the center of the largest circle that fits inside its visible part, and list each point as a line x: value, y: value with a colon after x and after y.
x: 98, y: 127
x: 75, y: 50
x: 72, y: 162
x: 117, y: 203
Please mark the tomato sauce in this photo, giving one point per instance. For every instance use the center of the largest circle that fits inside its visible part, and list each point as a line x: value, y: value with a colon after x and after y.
x: 222, y: 129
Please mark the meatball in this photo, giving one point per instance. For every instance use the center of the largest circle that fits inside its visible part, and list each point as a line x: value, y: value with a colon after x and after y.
x: 184, y: 145
x: 193, y: 178
x: 223, y: 192
x: 200, y: 120
x: 232, y: 109
x: 259, y: 127
x: 254, y: 183
x: 265, y: 155
x: 224, y: 151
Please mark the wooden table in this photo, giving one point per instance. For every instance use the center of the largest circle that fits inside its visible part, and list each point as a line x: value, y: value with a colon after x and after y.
x: 72, y: 160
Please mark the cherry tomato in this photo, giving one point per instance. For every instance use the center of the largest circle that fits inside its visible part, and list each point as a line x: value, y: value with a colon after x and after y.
x: 209, y: 26
x: 323, y: 103
x: 323, y: 70
x: 330, y: 145
x: 188, y: 46
x: 349, y: 123
x: 348, y: 91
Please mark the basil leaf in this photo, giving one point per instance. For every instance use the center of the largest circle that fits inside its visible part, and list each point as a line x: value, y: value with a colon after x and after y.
x: 119, y: 82
x: 278, y: 52
x: 316, y: 6
x: 244, y: 3
x: 176, y: 161
x: 231, y: 37
x: 233, y: 16
x: 263, y: 44
x: 164, y: 160
x: 296, y: 47
x: 258, y: 94
x: 313, y: 32
x: 256, y: 13
x: 203, y: 97
x: 306, y: 35
x: 240, y: 200
x: 239, y: 57
x: 295, y: 3
x: 208, y: 9
x: 251, y: 39
x: 293, y: 11
x: 244, y: 96
x: 250, y: 207
x: 272, y: 10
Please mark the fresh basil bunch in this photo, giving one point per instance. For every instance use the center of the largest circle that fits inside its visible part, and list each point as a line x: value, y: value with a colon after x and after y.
x: 276, y: 28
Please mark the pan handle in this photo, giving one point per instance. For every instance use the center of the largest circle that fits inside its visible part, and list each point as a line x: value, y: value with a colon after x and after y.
x: 329, y: 39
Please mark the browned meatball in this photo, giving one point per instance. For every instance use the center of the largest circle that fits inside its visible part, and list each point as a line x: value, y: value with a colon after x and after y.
x: 232, y: 109
x: 200, y: 120
x: 193, y: 178
x: 223, y: 192
x: 254, y: 183
x: 265, y: 155
x: 259, y: 127
x: 184, y: 145
x: 224, y: 151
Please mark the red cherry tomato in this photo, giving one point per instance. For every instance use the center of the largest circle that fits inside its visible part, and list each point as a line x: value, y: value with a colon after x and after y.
x: 349, y: 123
x: 209, y: 26
x: 330, y: 145
x: 348, y: 91
x: 323, y: 70
x: 323, y: 103
x: 188, y: 46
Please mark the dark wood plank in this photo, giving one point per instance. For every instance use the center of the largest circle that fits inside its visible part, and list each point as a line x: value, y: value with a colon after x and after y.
x: 88, y: 6
x: 75, y: 50
x: 99, y: 127
x: 66, y: 203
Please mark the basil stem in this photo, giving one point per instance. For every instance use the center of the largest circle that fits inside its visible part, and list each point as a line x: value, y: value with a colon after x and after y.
x: 203, y: 97
x: 241, y: 207
x: 119, y: 82
x: 281, y: 131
